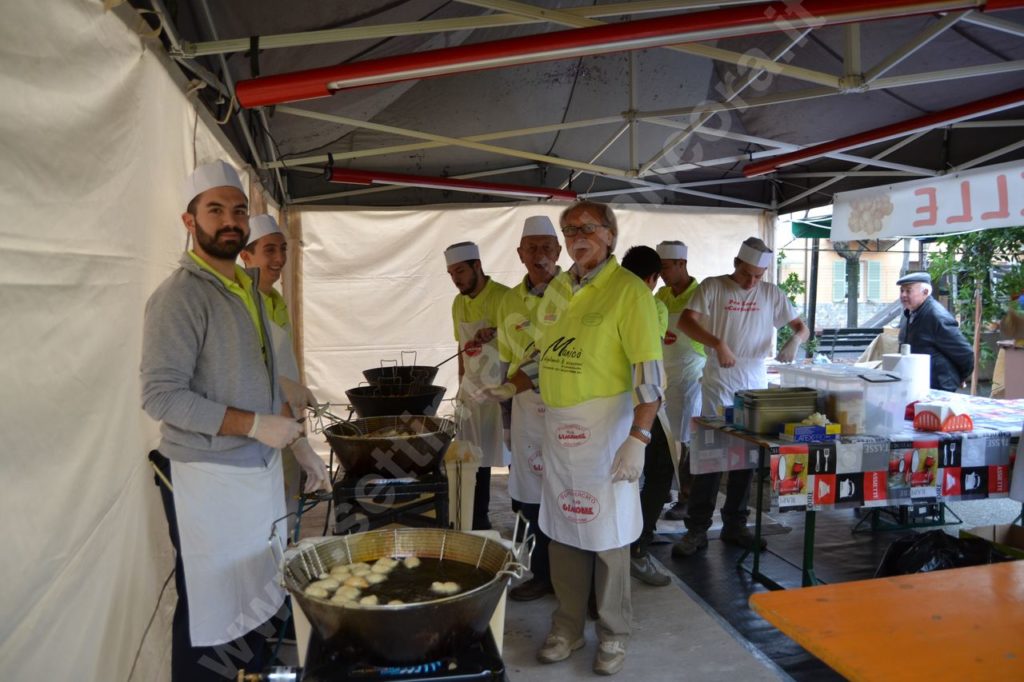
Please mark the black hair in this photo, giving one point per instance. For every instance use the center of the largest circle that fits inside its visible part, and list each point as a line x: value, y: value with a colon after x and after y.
x: 642, y: 261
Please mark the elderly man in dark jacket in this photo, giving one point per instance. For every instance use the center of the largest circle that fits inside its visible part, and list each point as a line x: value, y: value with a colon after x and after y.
x: 930, y: 329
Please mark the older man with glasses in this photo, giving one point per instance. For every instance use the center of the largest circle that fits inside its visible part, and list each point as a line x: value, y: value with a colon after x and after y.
x: 600, y: 375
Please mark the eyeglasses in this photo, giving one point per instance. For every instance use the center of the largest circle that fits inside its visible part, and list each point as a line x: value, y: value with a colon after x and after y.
x: 588, y: 228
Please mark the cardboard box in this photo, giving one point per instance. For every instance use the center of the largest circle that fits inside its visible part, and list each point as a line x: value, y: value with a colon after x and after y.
x: 811, y: 433
x: 1007, y: 538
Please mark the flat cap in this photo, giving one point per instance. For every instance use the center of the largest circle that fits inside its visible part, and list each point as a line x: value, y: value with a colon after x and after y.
x: 911, y: 277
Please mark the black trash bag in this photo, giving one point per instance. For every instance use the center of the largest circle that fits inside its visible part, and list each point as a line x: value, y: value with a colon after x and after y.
x: 934, y: 551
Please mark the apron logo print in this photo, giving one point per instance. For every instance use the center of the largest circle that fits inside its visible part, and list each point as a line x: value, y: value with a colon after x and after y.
x: 579, y: 506
x: 572, y: 435
x: 592, y: 319
x: 522, y: 325
x: 670, y: 338
x: 536, y: 463
x: 472, y: 349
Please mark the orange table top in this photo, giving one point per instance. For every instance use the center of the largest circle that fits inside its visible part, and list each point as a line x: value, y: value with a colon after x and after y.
x: 960, y: 624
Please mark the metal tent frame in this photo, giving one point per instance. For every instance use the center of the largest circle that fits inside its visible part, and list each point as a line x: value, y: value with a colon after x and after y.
x: 889, y: 63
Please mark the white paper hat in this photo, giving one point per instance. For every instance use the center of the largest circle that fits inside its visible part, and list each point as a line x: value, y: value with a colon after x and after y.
x: 457, y: 253
x: 539, y: 226
x: 261, y: 226
x: 208, y: 176
x: 759, y: 259
x: 672, y: 250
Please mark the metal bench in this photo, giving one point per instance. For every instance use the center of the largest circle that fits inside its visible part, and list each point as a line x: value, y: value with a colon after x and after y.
x: 847, y: 343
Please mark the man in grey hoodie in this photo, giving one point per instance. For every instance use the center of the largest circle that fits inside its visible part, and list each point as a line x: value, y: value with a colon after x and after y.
x: 208, y: 375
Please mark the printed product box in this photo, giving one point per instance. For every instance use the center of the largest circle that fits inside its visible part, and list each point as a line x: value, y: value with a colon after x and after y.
x: 805, y: 433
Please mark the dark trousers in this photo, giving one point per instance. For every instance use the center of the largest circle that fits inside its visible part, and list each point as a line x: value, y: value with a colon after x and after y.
x: 540, y: 562
x: 704, y: 494
x: 657, y: 481
x: 482, y: 499
x: 685, y: 477
x: 203, y: 663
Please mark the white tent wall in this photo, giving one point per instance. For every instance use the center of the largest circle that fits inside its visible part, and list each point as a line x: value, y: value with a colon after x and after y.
x: 95, y: 138
x: 374, y: 282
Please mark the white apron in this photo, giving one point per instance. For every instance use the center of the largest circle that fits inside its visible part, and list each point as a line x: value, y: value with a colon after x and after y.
x: 224, y: 516
x: 580, y: 506
x: 284, y: 354
x: 720, y: 383
x: 527, y: 468
x: 481, y: 368
x: 287, y: 366
x: 683, y: 367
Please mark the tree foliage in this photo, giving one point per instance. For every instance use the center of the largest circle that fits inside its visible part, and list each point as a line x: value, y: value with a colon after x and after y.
x: 990, y: 259
x: 792, y: 286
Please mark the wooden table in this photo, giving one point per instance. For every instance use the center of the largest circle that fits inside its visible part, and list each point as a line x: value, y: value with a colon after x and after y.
x: 960, y: 624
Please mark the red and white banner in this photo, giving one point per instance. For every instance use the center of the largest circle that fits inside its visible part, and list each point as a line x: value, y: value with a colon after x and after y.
x: 977, y: 199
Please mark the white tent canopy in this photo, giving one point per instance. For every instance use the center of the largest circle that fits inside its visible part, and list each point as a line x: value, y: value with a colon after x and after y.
x: 96, y: 137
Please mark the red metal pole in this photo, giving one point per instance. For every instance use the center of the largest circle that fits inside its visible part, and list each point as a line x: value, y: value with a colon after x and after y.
x: 608, y: 38
x: 988, y: 105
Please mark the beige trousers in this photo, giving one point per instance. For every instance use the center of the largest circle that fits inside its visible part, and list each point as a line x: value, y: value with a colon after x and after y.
x: 572, y: 572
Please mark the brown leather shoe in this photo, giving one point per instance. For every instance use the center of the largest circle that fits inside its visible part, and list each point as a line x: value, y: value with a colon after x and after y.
x: 530, y: 590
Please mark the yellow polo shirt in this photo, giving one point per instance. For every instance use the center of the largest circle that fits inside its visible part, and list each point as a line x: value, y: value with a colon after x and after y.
x: 517, y: 334
x: 677, y: 304
x: 277, y: 309
x: 241, y: 286
x: 483, y: 307
x: 590, y: 340
x: 662, y: 317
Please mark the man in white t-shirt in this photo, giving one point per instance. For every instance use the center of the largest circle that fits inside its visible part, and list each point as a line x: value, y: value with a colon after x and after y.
x: 734, y: 316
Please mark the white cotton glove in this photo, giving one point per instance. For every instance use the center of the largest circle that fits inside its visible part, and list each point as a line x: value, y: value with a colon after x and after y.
x: 788, y: 352
x: 495, y: 394
x: 629, y: 460
x: 274, y: 431
x: 314, y: 467
x: 299, y: 397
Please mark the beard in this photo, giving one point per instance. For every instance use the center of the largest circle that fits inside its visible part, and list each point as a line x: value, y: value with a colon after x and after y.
x: 211, y: 243
x: 470, y: 286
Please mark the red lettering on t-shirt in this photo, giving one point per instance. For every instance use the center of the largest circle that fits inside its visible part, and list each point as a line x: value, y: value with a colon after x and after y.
x: 737, y: 306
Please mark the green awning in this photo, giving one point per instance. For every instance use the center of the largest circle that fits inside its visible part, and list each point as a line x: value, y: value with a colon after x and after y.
x: 819, y: 228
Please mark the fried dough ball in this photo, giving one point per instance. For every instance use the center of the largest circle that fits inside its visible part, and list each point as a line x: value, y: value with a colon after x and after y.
x: 445, y: 588
x: 357, y: 581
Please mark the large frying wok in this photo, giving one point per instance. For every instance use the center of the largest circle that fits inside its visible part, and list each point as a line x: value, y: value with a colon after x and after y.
x: 404, y: 375
x: 392, y: 447
x: 384, y: 400
x: 413, y: 632
x: 391, y: 373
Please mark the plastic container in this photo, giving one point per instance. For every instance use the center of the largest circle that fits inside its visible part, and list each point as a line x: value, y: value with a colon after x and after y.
x: 767, y: 410
x: 862, y: 400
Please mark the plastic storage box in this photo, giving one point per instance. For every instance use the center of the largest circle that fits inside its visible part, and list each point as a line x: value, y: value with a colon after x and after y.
x: 767, y: 410
x: 863, y: 401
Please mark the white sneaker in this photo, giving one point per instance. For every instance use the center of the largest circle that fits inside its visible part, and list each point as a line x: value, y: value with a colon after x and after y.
x: 557, y: 648
x: 611, y: 656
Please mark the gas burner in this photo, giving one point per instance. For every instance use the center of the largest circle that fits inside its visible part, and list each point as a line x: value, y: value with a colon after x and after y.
x: 479, y: 661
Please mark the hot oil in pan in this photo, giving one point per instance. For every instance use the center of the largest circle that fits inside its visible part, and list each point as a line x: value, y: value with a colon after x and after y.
x: 413, y: 584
